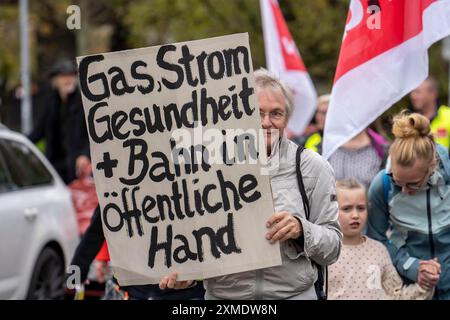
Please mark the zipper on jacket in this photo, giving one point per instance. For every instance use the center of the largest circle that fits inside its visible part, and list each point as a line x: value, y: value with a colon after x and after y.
x: 430, y: 234
x: 430, y: 226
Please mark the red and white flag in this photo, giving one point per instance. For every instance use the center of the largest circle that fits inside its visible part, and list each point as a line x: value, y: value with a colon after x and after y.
x: 284, y: 60
x: 384, y: 55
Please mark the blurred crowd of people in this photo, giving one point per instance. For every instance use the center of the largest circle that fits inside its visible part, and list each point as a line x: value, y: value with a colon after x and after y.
x: 393, y: 204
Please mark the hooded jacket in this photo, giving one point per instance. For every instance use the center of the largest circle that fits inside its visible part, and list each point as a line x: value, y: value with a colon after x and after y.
x: 418, y: 225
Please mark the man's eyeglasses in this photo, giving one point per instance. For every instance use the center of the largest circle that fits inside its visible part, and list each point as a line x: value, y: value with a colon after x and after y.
x: 273, y: 115
x: 413, y: 186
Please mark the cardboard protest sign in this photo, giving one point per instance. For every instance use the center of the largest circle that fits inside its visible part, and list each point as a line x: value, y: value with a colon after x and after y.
x: 175, y: 147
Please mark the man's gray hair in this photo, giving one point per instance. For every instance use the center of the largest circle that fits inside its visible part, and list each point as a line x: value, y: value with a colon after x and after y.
x: 265, y: 79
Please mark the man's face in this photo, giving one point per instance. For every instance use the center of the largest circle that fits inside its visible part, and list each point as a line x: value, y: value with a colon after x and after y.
x: 321, y: 113
x: 65, y: 83
x: 272, y: 105
x: 423, y: 96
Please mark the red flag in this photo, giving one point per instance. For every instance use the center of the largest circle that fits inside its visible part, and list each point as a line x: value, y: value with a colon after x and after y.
x: 284, y: 60
x: 384, y: 55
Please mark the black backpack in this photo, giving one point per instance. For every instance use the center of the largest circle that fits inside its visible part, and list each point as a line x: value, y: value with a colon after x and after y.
x: 320, y: 283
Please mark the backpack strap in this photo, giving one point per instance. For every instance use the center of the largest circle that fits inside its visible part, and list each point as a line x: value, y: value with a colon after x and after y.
x: 321, y: 282
x: 386, y: 187
x: 301, y: 186
x: 444, y: 160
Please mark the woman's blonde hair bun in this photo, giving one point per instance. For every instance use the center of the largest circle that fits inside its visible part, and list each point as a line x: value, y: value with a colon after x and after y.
x: 411, y: 126
x: 413, y: 140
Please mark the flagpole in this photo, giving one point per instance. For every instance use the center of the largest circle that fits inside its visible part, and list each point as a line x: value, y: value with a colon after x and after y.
x: 25, y: 105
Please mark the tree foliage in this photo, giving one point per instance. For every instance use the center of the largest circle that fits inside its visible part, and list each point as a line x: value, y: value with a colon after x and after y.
x: 316, y: 26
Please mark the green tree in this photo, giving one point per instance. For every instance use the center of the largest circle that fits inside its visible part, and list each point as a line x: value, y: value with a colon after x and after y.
x: 316, y: 25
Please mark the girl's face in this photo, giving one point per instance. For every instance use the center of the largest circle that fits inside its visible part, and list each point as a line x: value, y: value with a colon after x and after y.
x: 352, y: 211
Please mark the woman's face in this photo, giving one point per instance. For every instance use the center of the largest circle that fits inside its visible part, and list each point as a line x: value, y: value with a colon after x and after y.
x: 352, y: 211
x: 272, y: 106
x: 413, y: 178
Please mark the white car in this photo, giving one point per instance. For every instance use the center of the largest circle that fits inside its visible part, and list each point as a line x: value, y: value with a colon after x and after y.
x: 38, y: 228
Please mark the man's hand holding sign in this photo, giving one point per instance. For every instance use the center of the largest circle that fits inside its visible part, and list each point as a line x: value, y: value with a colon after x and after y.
x: 283, y: 226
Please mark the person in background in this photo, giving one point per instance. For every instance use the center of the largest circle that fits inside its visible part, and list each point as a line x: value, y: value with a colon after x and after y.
x: 305, y: 243
x: 314, y: 141
x: 63, y: 125
x: 364, y: 270
x: 91, y: 246
x: 361, y: 158
x: 409, y: 204
x: 424, y: 100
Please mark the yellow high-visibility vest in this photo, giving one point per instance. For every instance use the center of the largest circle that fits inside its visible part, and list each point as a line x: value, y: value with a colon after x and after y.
x: 440, y: 126
x: 313, y: 141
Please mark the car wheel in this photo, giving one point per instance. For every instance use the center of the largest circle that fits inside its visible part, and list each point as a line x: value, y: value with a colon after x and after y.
x: 47, y: 281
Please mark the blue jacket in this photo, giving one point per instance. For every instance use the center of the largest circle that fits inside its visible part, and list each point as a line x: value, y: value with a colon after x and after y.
x: 415, y: 233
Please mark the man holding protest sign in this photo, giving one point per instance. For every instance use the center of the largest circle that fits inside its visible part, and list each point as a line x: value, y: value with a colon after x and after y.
x: 174, y: 134
x: 302, y: 240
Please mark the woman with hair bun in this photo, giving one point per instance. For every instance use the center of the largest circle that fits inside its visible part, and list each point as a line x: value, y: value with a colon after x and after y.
x: 409, y: 205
